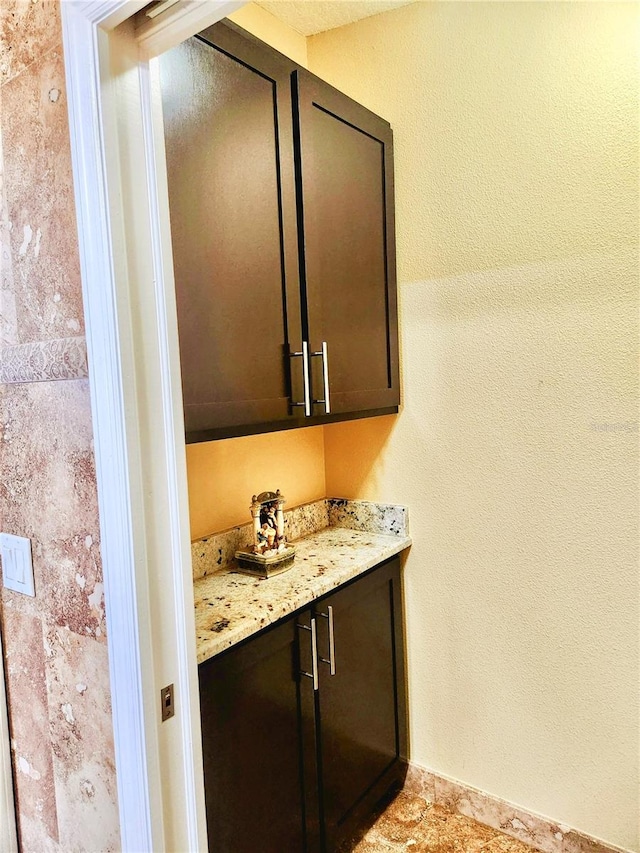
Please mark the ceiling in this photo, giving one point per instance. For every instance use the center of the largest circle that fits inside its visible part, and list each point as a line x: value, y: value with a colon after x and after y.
x: 315, y: 16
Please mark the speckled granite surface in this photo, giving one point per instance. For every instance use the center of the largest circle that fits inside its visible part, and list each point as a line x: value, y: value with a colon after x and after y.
x: 365, y: 515
x: 216, y: 552
x: 231, y: 607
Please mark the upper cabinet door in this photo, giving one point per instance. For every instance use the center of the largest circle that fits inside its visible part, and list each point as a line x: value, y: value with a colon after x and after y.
x: 346, y: 218
x: 229, y: 144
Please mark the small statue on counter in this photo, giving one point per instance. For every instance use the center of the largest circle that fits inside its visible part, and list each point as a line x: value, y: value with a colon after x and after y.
x: 268, y: 523
x: 270, y: 554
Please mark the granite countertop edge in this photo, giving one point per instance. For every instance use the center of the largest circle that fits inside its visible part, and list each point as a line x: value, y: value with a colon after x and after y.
x: 232, y: 607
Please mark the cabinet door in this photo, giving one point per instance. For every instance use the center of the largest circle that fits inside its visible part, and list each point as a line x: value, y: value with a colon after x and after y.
x: 362, y: 708
x: 346, y: 213
x: 228, y: 134
x: 253, y: 734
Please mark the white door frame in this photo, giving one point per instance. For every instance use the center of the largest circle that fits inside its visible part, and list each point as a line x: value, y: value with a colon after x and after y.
x: 136, y: 399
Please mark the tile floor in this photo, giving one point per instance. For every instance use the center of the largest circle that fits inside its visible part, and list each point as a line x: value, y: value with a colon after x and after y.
x: 410, y: 824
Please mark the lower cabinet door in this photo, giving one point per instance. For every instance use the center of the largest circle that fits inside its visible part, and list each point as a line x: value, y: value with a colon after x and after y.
x: 361, y: 708
x: 252, y: 733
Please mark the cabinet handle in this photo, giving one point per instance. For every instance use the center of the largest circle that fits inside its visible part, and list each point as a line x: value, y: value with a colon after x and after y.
x: 332, y: 641
x: 325, y: 376
x: 314, y: 653
x: 304, y: 355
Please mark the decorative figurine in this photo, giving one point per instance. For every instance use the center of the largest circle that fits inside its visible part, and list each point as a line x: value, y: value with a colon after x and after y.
x: 270, y: 553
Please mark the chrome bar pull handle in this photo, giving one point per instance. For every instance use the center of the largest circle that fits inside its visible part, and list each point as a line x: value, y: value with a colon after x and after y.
x: 305, y: 379
x: 332, y: 641
x: 306, y: 382
x: 314, y: 653
x: 325, y: 377
x: 327, y: 403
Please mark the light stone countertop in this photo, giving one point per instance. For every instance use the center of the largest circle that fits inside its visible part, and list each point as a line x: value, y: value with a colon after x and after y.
x: 231, y: 607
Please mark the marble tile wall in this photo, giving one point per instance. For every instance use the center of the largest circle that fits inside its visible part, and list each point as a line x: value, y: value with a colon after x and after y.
x: 55, y: 644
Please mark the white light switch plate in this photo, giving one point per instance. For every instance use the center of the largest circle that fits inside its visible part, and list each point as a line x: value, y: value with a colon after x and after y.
x: 17, y: 566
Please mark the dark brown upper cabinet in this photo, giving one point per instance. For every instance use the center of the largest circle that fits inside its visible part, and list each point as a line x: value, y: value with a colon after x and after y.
x: 344, y: 158
x: 282, y: 224
x: 229, y: 144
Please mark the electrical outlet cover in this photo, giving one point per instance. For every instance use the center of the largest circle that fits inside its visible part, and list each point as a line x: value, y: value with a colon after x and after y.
x: 17, y: 566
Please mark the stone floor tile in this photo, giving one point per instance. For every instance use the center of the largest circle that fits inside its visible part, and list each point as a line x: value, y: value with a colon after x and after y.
x: 467, y: 834
x: 420, y: 781
x: 378, y: 846
x: 411, y: 824
x: 401, y: 819
x: 505, y: 844
x: 575, y: 842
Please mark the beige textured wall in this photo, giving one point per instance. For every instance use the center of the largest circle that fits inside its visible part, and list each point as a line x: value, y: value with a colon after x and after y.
x: 223, y: 475
x: 56, y: 664
x: 269, y: 29
x: 517, y: 213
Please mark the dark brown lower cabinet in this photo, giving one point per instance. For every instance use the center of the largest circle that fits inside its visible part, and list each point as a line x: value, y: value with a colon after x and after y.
x: 252, y: 742
x: 293, y: 769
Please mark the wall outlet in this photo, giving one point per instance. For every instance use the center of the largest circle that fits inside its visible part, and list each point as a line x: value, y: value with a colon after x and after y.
x: 17, y: 566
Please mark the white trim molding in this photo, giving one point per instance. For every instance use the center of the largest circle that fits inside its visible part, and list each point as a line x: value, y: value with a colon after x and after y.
x: 178, y: 21
x: 131, y: 334
x: 111, y: 401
